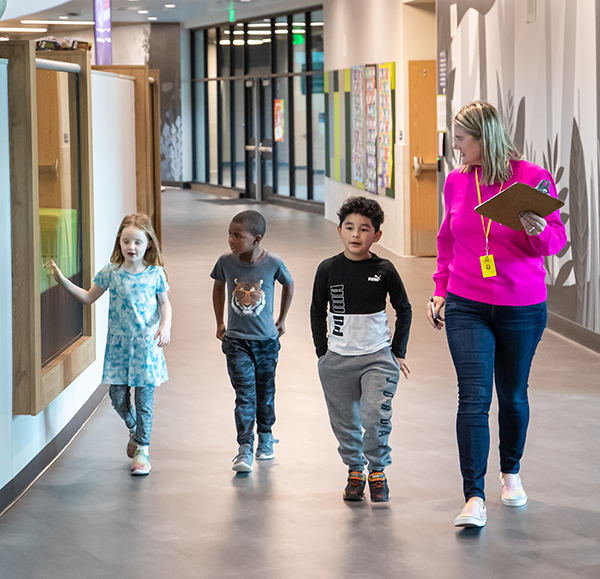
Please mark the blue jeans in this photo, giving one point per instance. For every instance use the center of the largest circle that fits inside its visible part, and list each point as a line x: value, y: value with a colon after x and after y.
x: 251, y: 366
x: 491, y: 342
x: 139, y: 418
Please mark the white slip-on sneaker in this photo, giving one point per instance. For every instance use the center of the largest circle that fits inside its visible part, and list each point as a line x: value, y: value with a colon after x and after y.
x: 474, y: 514
x: 513, y: 494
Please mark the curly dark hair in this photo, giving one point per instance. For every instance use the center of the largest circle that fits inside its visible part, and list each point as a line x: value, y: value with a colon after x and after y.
x: 363, y: 206
x: 252, y: 222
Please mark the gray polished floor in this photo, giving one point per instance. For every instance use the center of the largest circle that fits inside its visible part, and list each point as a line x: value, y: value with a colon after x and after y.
x: 87, y: 518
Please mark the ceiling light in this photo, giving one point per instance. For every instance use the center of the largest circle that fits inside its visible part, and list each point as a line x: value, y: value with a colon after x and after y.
x: 142, y: 11
x: 169, y: 5
x: 317, y: 23
x: 23, y: 30
x: 238, y: 42
x: 299, y: 31
x: 152, y: 17
x: 298, y: 23
x: 255, y: 32
x: 63, y: 17
x: 259, y: 24
x: 254, y: 41
x: 266, y: 40
x: 238, y: 32
x: 225, y: 42
x: 281, y: 32
x: 61, y: 22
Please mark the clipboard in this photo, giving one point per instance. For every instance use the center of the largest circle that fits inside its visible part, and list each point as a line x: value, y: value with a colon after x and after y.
x: 505, y: 207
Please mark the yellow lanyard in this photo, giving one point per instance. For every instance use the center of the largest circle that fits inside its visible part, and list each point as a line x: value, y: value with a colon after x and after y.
x: 486, y: 232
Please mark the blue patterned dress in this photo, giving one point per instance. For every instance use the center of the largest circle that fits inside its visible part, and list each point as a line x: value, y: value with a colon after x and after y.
x: 132, y: 356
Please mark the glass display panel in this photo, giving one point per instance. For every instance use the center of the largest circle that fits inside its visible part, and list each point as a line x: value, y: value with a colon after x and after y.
x: 211, y: 53
x: 299, y: 42
x: 300, y: 139
x: 282, y: 141
x: 200, y: 123
x: 226, y: 132
x: 259, y: 47
x: 318, y: 130
x: 224, y: 49
x: 212, y: 132
x: 240, y: 137
x: 59, y: 209
x: 281, y: 47
x: 198, y: 71
x: 316, y: 31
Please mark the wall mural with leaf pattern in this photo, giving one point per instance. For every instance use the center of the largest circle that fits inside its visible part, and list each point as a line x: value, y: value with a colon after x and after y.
x: 536, y: 62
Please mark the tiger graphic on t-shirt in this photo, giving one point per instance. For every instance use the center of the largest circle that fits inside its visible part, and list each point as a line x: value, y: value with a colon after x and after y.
x: 247, y: 298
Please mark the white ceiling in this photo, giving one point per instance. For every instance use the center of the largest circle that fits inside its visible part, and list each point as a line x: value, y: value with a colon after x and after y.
x: 190, y: 12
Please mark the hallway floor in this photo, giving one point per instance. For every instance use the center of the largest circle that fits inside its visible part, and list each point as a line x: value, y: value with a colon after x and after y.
x: 192, y: 518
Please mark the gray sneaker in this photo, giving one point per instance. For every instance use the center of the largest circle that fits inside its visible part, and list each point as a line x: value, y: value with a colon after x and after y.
x: 243, y: 461
x: 264, y: 450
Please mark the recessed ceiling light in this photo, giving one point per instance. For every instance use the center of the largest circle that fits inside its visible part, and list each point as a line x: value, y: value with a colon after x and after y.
x: 238, y: 42
x: 169, y: 5
x: 281, y: 32
x: 142, y: 11
x: 225, y: 42
x: 152, y: 18
x: 316, y: 23
x: 63, y: 17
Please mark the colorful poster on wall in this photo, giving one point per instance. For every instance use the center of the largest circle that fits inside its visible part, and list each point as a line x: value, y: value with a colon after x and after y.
x: 371, y: 115
x: 357, y: 123
x: 360, y: 127
x: 278, y: 119
x: 386, y: 127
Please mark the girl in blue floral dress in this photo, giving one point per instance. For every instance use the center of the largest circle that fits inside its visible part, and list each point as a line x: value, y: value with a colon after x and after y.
x: 139, y: 325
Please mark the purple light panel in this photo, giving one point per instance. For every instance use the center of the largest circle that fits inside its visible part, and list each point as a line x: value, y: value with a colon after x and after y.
x: 102, y: 28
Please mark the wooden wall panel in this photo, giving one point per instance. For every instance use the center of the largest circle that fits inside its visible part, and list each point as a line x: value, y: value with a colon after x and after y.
x: 27, y: 362
x: 34, y: 389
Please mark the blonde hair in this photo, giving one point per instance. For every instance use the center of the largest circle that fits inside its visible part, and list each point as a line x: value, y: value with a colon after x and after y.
x: 153, y: 255
x: 482, y: 121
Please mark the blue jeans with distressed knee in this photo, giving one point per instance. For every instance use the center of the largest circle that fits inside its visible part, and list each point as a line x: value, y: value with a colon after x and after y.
x: 491, y: 344
x: 138, y: 418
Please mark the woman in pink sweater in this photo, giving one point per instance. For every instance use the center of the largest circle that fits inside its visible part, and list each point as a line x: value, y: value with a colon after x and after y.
x: 491, y: 280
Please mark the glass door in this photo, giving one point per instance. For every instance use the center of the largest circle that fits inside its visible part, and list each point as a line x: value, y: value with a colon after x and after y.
x: 259, y: 138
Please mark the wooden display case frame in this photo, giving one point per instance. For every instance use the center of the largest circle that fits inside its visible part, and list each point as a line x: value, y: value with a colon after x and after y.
x: 35, y: 387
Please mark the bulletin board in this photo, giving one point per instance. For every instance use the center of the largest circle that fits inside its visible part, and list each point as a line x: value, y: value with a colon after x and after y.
x: 360, y: 120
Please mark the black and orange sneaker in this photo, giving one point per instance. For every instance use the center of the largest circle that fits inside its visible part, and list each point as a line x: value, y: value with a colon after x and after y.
x: 380, y: 493
x: 355, y: 489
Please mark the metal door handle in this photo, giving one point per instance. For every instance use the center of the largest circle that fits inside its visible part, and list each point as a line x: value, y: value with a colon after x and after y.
x: 419, y: 166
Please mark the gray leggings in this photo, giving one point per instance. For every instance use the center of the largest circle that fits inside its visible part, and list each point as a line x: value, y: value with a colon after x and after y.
x: 359, y: 391
x: 139, y: 417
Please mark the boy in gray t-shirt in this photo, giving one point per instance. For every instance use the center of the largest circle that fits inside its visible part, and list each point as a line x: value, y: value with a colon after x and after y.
x: 251, y: 338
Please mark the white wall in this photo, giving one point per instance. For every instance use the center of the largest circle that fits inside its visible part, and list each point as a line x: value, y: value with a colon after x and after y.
x: 23, y: 437
x: 374, y: 31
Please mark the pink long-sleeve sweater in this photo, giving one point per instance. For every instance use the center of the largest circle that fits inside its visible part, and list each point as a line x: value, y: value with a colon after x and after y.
x: 518, y: 257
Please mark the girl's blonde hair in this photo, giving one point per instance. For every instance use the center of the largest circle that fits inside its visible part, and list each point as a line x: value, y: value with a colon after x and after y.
x: 153, y: 255
x: 482, y: 121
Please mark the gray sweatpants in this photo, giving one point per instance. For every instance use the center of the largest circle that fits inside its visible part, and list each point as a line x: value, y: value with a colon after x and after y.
x: 359, y: 391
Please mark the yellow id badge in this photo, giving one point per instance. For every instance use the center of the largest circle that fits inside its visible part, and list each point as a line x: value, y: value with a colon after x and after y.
x: 488, y: 269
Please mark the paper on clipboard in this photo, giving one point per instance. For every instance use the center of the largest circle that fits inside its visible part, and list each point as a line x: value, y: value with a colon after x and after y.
x: 506, y: 206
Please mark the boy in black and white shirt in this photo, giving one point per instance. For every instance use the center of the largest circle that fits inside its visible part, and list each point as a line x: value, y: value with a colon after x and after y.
x: 359, y: 363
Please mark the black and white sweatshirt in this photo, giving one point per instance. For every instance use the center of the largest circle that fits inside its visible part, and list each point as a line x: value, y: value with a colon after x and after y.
x: 356, y: 293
